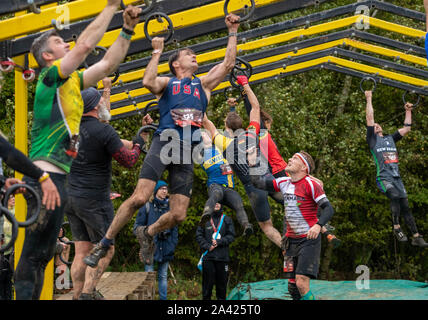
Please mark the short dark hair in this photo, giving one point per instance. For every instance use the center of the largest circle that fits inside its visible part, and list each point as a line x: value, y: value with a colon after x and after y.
x: 233, y: 121
x: 309, y: 159
x: 174, y: 57
x: 40, y: 45
x: 265, y: 117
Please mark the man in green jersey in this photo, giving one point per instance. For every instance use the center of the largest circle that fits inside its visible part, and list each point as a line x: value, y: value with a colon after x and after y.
x: 58, y: 108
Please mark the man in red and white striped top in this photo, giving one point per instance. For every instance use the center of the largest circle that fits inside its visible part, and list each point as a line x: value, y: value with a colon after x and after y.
x: 302, y: 197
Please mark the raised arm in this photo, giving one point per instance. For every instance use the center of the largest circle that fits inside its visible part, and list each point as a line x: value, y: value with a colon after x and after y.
x: 151, y: 81
x: 107, y: 92
x: 252, y: 99
x: 426, y: 13
x: 88, y: 39
x: 407, y: 120
x: 369, y: 109
x: 217, y: 74
x: 209, y: 126
x: 116, y: 53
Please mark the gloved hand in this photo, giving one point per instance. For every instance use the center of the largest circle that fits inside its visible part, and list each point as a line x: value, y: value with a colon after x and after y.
x: 138, y: 139
x: 242, y: 80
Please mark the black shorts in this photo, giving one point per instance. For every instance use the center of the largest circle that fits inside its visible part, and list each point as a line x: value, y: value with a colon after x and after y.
x: 161, y: 156
x: 89, y: 219
x: 304, y: 254
x: 259, y: 202
x: 384, y: 184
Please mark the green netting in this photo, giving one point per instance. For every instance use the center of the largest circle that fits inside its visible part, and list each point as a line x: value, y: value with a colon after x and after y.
x: 334, y: 290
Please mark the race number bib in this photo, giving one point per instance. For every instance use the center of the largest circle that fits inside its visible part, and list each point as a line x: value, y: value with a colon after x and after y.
x: 187, y: 117
x: 226, y: 169
x: 390, y: 157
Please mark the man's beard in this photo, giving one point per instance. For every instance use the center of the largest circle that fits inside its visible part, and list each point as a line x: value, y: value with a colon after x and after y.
x: 103, y: 113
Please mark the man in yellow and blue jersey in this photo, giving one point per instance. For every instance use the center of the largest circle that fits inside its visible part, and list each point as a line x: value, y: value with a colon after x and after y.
x: 220, y: 185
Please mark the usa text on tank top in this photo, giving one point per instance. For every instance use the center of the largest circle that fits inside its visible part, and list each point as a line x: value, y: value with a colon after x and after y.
x: 183, y: 103
x: 386, y: 156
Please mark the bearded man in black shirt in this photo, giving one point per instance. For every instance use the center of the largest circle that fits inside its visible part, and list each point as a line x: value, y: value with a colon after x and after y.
x: 89, y: 208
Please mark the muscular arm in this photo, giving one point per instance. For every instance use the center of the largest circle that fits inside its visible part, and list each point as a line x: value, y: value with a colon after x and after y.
x: 426, y: 13
x: 248, y: 108
x: 209, y: 126
x: 88, y: 40
x: 255, y: 106
x: 107, y: 92
x: 217, y: 74
x: 407, y: 120
x: 151, y: 81
x: 369, y: 109
x: 126, y: 157
x: 115, y: 54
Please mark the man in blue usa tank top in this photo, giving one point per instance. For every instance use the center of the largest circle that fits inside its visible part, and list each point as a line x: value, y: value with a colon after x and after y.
x: 182, y: 104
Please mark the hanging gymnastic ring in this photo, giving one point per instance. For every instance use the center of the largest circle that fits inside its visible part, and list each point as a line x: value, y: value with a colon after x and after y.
x: 149, y: 7
x: 32, y: 6
x: 405, y: 100
x: 145, y: 10
x: 151, y: 106
x: 147, y: 128
x: 31, y: 191
x: 227, y: 97
x: 158, y: 15
x: 9, y: 216
x: 244, y: 18
x: 29, y: 75
x: 366, y: 79
x: 7, y: 65
x: 247, y: 71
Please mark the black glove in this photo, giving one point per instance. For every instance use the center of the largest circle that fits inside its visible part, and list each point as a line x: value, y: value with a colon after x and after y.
x: 139, y: 140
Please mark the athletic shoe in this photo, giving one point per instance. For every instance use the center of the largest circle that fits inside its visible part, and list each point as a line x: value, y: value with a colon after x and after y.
x: 400, y: 235
x: 97, y: 253
x: 86, y: 296
x: 248, y: 229
x: 97, y: 295
x: 419, y: 242
x: 204, y: 219
x: 333, y: 240
x: 147, y: 245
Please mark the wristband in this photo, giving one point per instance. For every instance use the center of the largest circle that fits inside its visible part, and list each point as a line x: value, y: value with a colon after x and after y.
x: 128, y: 31
x: 44, y: 177
x: 407, y: 124
x: 125, y: 35
x: 156, y: 51
x: 233, y: 34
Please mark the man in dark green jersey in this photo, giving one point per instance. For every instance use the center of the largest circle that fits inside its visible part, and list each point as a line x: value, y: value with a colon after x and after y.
x: 384, y: 152
x: 58, y: 108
